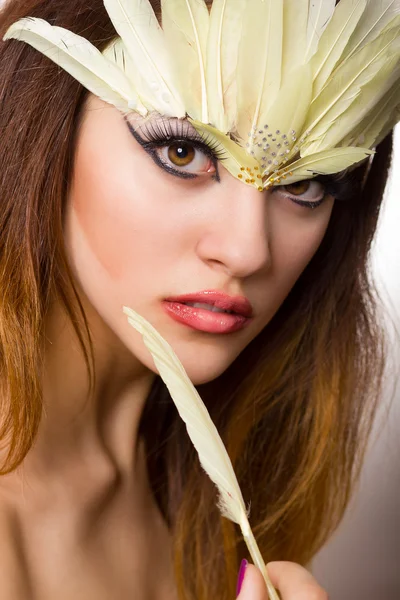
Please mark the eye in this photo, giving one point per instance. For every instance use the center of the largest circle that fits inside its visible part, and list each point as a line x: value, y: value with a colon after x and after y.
x: 185, y: 157
x: 308, y: 193
x: 178, y: 148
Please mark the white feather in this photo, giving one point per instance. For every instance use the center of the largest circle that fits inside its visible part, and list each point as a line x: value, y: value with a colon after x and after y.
x: 345, y: 86
x: 185, y: 24
x: 80, y: 59
x: 370, y: 95
x: 322, y: 163
x: 225, y: 30
x: 287, y: 115
x: 319, y: 14
x: 143, y: 38
x: 202, y: 431
x: 295, y: 18
x: 377, y: 16
x: 117, y: 53
x: 259, y: 63
x: 392, y: 121
x: 378, y: 122
x: 235, y: 159
x: 334, y: 40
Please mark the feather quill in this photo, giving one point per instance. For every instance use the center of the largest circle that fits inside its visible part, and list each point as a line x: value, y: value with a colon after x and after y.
x: 345, y: 86
x: 80, y: 59
x: 259, y: 63
x: 203, y: 433
x: 377, y: 16
x: 334, y: 40
x: 226, y: 19
x: 143, y: 38
x: 319, y: 14
x: 323, y: 163
x: 185, y: 24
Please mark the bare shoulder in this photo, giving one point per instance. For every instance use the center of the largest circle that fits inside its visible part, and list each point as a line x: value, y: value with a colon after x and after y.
x: 14, y: 581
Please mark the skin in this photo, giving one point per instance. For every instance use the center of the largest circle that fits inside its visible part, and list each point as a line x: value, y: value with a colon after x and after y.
x: 78, y: 518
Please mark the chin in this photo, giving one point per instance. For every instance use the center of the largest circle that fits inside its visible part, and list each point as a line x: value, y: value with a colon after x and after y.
x: 205, y: 371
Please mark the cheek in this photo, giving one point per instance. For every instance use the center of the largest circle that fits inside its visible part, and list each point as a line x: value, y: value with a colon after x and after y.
x: 102, y: 210
x: 294, y: 238
x: 297, y: 242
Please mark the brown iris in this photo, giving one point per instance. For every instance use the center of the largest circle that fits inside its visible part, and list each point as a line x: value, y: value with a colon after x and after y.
x: 299, y: 188
x: 181, y: 154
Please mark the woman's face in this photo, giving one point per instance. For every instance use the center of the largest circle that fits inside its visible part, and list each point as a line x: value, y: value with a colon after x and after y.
x: 138, y: 234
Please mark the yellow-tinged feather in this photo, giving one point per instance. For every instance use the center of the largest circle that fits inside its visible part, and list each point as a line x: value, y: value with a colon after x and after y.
x: 137, y: 25
x: 236, y: 156
x: 322, y: 163
x: 346, y: 82
x: 226, y: 18
x: 80, y: 59
x: 377, y: 16
x: 289, y: 111
x: 377, y: 124
x: 334, y: 40
x: 186, y: 24
x: 203, y: 433
x: 319, y: 14
x: 295, y: 18
x: 393, y: 120
x: 260, y: 63
x: 288, y: 114
x: 370, y: 96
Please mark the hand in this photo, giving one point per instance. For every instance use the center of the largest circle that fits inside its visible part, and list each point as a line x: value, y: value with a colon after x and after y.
x: 292, y: 581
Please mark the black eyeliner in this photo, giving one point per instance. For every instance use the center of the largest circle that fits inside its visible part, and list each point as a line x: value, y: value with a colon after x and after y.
x: 161, y: 134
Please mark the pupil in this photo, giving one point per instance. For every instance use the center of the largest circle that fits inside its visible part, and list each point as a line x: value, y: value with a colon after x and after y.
x: 181, y: 154
x: 299, y: 188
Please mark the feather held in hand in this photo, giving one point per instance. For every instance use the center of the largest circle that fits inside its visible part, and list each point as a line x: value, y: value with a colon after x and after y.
x: 203, y: 433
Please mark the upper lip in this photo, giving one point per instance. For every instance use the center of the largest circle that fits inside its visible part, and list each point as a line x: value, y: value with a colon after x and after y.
x: 237, y: 304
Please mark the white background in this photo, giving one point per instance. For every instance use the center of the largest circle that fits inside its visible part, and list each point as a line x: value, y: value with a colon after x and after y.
x: 362, y: 561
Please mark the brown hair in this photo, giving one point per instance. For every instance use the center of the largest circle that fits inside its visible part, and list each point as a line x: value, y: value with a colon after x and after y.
x: 295, y: 409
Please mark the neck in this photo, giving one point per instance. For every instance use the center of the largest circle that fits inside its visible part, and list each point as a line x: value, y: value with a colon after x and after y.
x: 94, y: 435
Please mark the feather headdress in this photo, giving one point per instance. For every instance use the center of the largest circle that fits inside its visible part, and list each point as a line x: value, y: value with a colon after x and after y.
x: 289, y: 88
x: 211, y: 450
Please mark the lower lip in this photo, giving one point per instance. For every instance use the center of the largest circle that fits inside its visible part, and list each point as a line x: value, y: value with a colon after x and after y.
x: 205, y: 320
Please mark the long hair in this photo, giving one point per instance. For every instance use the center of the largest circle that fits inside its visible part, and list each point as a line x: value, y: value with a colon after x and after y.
x: 295, y: 408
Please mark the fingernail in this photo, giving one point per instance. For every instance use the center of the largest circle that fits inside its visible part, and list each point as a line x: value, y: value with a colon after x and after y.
x: 242, y: 572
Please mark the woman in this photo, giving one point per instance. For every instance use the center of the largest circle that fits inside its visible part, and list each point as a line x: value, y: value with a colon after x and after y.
x: 102, y: 495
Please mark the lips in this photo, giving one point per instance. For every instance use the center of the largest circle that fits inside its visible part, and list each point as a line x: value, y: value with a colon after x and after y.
x: 238, y: 305
x: 210, y: 311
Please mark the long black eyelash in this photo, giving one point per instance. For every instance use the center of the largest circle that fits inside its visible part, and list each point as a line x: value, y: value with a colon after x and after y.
x: 342, y: 186
x: 306, y: 204
x: 163, y: 132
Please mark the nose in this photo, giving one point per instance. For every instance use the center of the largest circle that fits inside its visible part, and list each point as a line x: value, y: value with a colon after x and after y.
x: 236, y: 239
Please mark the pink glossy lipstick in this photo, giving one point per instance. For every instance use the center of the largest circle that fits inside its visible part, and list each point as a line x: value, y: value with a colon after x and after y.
x: 210, y: 311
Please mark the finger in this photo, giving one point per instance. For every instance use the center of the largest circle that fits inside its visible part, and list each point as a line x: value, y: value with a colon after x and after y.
x: 253, y: 587
x: 294, y: 582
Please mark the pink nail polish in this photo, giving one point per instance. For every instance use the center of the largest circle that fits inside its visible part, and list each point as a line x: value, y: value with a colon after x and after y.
x: 242, y: 572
